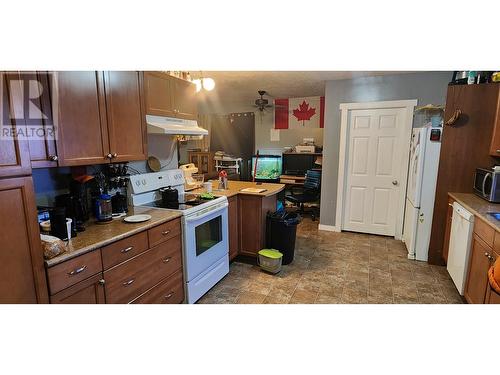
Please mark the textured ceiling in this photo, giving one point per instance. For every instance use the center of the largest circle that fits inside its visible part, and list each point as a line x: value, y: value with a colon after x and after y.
x: 237, y: 86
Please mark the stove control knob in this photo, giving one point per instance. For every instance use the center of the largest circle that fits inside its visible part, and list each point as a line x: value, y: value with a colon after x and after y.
x: 144, y: 181
x: 138, y: 183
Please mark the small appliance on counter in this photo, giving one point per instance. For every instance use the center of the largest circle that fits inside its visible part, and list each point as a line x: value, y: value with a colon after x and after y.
x: 487, y: 184
x: 191, y: 177
x: 103, y: 208
x: 58, y: 226
x: 169, y: 197
x: 119, y: 203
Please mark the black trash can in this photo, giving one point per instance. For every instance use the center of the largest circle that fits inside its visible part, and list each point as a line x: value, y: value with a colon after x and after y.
x: 281, y: 231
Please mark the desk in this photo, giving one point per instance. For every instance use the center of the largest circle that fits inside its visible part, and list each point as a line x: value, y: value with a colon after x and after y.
x: 292, y: 180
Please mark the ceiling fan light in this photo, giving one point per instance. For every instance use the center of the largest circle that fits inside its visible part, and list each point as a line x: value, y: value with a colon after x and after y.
x: 197, y: 83
x: 208, y: 84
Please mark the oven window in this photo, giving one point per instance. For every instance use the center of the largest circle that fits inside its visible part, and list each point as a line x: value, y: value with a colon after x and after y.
x: 208, y: 234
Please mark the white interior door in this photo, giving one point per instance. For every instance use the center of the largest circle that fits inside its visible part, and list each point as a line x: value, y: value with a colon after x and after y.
x: 374, y: 172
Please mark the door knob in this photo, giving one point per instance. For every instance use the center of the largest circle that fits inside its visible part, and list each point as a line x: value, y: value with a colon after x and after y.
x: 395, y: 182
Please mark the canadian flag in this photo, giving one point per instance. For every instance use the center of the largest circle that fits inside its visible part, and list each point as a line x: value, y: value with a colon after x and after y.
x: 298, y: 113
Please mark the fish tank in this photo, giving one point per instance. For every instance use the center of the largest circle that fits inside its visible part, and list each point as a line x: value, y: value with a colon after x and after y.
x: 268, y: 168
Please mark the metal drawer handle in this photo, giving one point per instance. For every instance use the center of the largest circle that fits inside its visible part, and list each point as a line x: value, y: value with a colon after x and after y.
x: 77, y: 271
x: 169, y: 295
x: 165, y: 232
x: 127, y: 283
x: 126, y: 250
x: 167, y: 259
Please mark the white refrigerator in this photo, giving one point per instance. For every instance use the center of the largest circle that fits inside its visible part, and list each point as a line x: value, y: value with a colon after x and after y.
x: 421, y: 189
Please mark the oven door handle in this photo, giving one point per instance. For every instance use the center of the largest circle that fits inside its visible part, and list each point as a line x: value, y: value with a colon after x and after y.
x: 484, y: 183
x: 196, y: 218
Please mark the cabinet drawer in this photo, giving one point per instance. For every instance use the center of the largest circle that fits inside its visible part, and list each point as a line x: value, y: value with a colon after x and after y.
x: 122, y: 250
x: 164, y: 232
x: 132, y: 278
x: 484, y: 231
x: 74, y: 270
x: 169, y: 291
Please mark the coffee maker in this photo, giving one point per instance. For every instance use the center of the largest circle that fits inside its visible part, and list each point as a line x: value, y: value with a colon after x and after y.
x: 81, y: 196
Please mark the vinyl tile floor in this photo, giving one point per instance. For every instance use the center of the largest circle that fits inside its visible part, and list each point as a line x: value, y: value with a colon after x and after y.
x: 338, y: 268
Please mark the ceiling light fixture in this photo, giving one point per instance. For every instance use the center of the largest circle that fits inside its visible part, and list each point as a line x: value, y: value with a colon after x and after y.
x: 205, y: 83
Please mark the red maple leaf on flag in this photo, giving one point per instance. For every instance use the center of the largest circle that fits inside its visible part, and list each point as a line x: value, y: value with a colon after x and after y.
x: 304, y: 112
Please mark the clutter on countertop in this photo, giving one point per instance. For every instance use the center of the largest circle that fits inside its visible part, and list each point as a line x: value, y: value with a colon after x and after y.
x: 52, y: 246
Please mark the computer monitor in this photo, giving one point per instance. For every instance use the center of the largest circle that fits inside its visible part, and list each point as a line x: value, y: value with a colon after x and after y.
x: 295, y: 164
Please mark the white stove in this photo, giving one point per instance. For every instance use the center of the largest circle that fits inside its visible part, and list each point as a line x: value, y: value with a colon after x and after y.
x: 205, y: 242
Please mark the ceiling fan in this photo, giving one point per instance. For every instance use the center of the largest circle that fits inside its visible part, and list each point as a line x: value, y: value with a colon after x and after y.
x: 262, y: 104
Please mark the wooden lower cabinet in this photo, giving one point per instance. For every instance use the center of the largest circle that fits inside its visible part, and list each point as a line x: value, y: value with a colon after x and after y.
x: 252, y: 222
x: 492, y: 297
x: 477, y: 279
x: 127, y: 281
x: 233, y: 227
x: 88, y: 291
x: 128, y: 270
x: 22, y: 273
x: 447, y: 233
x: 168, y: 291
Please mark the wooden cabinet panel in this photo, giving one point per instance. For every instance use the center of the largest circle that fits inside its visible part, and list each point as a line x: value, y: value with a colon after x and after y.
x: 204, y: 161
x: 43, y: 152
x: 233, y: 227
x: 22, y: 273
x: 14, y: 151
x: 158, y: 94
x: 164, y: 232
x: 88, y: 291
x: 123, y: 250
x: 125, y: 116
x: 484, y: 231
x: 252, y: 222
x: 168, y: 291
x: 447, y: 233
x: 73, y: 271
x: 184, y: 97
x: 465, y: 144
x: 477, y: 279
x: 78, y: 102
x: 127, y: 281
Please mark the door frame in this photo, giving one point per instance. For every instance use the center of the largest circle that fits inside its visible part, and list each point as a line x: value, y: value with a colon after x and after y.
x: 345, y: 108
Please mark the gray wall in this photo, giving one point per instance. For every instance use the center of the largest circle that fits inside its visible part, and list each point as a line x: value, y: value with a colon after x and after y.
x: 427, y: 87
x: 263, y: 125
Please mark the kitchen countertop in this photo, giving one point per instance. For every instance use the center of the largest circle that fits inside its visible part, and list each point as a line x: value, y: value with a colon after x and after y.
x: 234, y: 188
x: 99, y: 235
x: 479, y: 207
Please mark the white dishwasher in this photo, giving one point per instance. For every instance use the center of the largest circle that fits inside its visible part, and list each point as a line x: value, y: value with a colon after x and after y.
x: 462, y: 224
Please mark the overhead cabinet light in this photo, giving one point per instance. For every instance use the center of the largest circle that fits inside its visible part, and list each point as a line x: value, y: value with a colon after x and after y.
x: 173, y: 126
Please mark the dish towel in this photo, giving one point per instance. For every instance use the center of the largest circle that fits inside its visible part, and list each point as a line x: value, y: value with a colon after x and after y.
x: 494, y: 276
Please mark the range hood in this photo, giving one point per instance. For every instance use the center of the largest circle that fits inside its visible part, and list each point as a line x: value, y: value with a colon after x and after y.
x: 173, y: 126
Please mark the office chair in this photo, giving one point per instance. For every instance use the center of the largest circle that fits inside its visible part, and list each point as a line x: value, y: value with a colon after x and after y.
x: 310, y: 193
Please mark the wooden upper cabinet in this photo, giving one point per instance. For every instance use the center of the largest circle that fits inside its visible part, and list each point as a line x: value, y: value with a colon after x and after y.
x: 170, y: 96
x: 495, y: 140
x: 185, y: 105
x: 14, y: 149
x: 158, y: 91
x: 22, y: 273
x: 125, y: 115
x: 43, y: 152
x: 477, y: 279
x: 79, y: 109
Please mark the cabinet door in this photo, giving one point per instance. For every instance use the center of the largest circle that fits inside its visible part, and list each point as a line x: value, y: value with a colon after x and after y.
x: 495, y: 139
x: 22, y: 273
x: 447, y: 232
x: 80, y: 116
x: 477, y: 279
x: 125, y: 116
x: 184, y: 96
x: 14, y: 150
x: 42, y: 147
x: 233, y: 227
x: 88, y: 291
x: 158, y: 91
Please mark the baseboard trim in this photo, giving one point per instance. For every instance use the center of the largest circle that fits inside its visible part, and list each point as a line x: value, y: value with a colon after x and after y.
x: 328, y: 228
